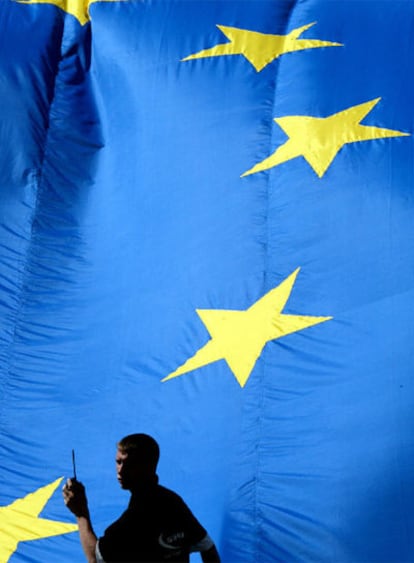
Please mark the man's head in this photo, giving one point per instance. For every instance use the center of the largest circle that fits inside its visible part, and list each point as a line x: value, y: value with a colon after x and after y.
x: 136, y: 460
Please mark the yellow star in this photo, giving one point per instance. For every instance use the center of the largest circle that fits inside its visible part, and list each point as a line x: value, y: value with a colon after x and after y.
x: 240, y: 336
x: 19, y: 521
x: 319, y: 139
x: 260, y: 49
x: 77, y: 8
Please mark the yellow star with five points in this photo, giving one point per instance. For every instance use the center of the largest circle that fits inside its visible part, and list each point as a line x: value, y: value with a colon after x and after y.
x: 260, y: 49
x: 240, y: 336
x: 20, y: 521
x: 77, y: 8
x: 319, y: 139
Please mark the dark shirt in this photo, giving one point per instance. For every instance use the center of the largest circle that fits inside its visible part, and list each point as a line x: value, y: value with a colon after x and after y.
x: 157, y: 526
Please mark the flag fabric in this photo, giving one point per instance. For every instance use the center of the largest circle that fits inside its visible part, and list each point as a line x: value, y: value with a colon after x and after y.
x: 206, y: 234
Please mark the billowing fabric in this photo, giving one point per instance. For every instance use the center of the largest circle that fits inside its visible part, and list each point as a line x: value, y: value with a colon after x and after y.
x: 206, y: 234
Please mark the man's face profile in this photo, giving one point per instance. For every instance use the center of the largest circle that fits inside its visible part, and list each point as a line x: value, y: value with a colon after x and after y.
x: 130, y: 469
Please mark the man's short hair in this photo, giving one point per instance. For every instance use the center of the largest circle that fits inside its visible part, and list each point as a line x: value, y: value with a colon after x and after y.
x: 143, y: 446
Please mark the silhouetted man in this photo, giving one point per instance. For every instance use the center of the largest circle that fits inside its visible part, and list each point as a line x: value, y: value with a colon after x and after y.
x: 157, y: 525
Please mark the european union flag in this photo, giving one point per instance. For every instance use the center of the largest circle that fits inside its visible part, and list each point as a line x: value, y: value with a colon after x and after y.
x: 206, y: 235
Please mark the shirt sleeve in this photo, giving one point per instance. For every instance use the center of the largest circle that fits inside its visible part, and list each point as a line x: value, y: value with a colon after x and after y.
x: 99, y: 558
x: 188, y: 530
x: 203, y: 545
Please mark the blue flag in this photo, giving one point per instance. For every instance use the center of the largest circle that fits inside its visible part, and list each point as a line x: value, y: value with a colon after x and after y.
x: 206, y: 235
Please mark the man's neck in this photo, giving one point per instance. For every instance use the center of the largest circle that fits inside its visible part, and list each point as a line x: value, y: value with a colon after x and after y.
x: 144, y: 485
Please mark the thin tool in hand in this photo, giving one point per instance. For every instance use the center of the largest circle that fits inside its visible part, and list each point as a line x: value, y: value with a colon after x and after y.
x: 73, y: 464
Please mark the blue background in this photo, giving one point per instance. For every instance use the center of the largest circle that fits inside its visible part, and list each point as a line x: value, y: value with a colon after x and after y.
x: 122, y: 211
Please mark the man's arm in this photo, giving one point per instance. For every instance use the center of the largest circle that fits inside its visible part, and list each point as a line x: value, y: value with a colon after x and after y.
x: 75, y: 499
x: 210, y: 555
x: 207, y: 550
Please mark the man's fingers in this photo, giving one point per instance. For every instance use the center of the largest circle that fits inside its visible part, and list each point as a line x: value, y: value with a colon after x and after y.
x: 68, y: 485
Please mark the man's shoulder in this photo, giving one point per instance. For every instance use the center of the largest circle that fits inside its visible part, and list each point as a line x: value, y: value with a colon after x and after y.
x: 168, y: 495
x: 172, y: 502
